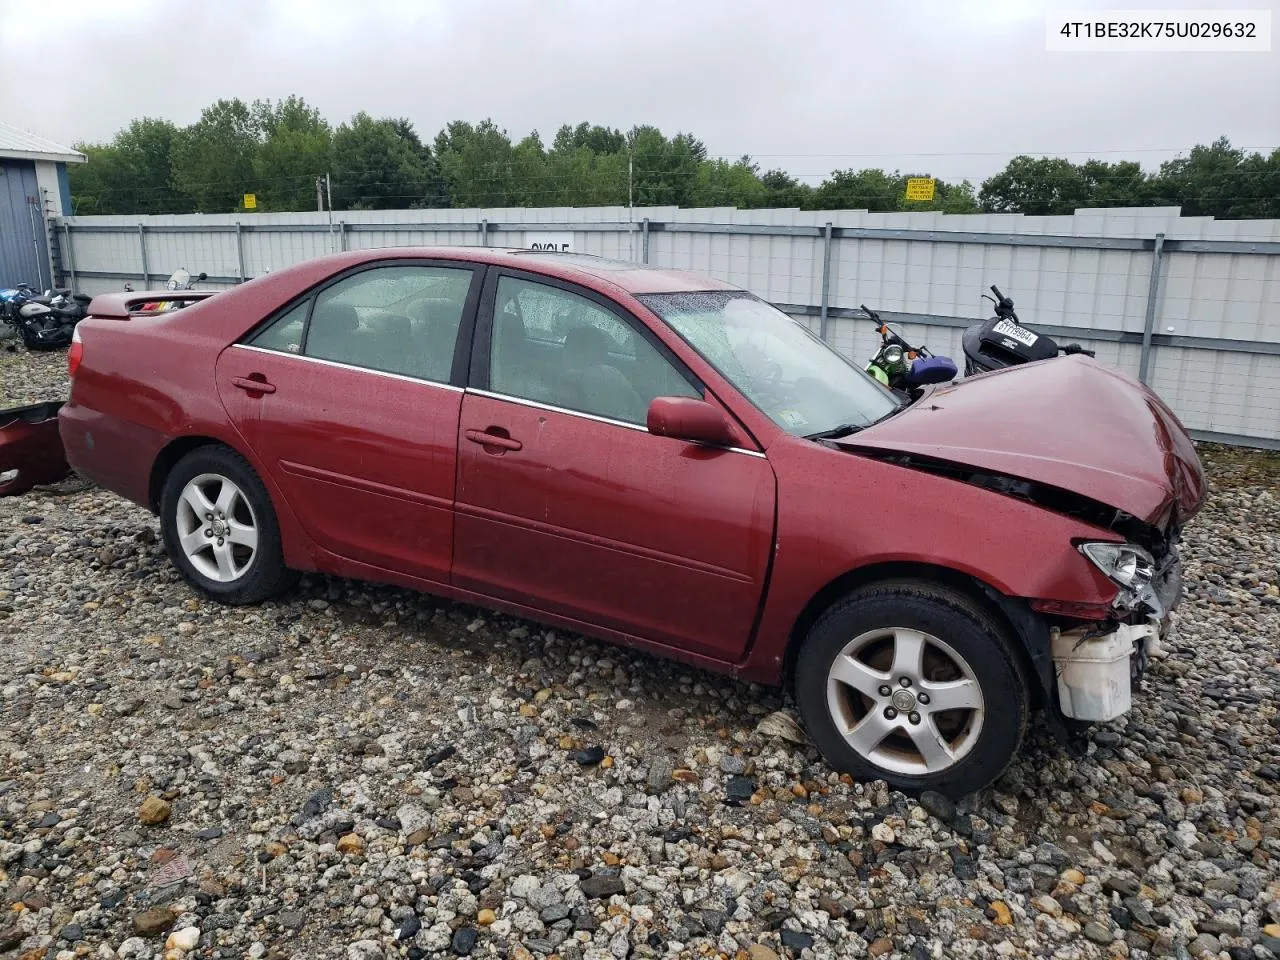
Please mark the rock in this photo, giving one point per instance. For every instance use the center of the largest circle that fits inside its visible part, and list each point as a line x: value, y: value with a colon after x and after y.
x: 1097, y: 932
x: 71, y: 933
x: 1120, y: 883
x: 660, y: 774
x: 409, y: 927
x: 184, y: 939
x: 733, y: 764
x: 154, y: 811
x: 588, y: 756
x: 1000, y: 914
x: 351, y: 843
x: 883, y: 832
x: 293, y: 919
x: 486, y: 917
x: 739, y: 789
x: 149, y: 923
x: 464, y: 940
x: 783, y: 725
x: 939, y: 806
x: 209, y: 833
x: 758, y: 951
x: 599, y: 886
x: 880, y: 947
x: 1204, y: 945
x: 795, y: 940
x: 364, y: 950
x: 1046, y: 904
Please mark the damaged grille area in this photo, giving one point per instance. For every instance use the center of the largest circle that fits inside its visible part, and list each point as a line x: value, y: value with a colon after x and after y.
x: 1042, y: 495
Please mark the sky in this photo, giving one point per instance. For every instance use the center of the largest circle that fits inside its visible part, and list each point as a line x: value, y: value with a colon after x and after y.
x: 951, y: 87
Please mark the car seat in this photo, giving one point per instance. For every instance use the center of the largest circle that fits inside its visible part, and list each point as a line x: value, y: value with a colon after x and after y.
x: 594, y: 385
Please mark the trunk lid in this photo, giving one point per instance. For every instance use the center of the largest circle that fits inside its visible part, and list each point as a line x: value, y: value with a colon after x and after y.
x: 1070, y: 423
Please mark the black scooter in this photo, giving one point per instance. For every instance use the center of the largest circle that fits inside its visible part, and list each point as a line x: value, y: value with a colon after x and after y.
x: 1003, y: 341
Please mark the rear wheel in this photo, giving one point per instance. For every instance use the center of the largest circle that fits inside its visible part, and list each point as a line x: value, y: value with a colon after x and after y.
x: 914, y: 684
x: 220, y: 530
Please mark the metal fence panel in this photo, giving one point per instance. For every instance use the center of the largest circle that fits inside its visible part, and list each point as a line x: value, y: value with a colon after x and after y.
x: 1212, y: 330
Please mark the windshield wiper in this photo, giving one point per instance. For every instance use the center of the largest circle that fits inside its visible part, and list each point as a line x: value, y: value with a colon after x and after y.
x: 848, y: 429
x: 835, y: 433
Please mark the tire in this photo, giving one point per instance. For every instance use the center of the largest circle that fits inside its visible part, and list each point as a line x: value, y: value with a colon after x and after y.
x: 238, y: 574
x: 968, y: 659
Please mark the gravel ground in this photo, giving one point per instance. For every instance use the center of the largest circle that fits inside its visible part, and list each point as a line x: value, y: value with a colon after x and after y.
x: 362, y: 772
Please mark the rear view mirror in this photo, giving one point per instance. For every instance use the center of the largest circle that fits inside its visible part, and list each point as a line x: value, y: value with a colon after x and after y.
x: 685, y: 418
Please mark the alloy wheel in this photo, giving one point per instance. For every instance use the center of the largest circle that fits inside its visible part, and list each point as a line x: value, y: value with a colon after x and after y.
x: 905, y: 701
x: 216, y: 527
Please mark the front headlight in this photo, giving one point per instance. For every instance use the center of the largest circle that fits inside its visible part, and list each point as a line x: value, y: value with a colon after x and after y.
x: 1124, y: 564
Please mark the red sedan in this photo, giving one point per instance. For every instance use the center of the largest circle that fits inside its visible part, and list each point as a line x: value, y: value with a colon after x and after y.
x: 664, y: 461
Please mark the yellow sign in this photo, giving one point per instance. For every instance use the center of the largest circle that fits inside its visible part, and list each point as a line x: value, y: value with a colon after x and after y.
x: 251, y: 199
x: 921, y: 188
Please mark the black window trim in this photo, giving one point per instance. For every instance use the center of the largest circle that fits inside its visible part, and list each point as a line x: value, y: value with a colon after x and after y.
x: 466, y: 325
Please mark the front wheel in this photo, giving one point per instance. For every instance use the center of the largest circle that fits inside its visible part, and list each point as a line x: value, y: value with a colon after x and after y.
x: 220, y: 530
x: 913, y: 684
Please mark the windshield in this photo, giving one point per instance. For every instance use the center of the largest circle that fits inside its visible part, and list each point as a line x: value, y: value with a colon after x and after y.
x: 795, y: 379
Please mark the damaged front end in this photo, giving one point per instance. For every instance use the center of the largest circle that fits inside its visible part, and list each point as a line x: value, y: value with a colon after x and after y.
x: 31, y: 451
x: 1098, y: 653
x: 1098, y: 664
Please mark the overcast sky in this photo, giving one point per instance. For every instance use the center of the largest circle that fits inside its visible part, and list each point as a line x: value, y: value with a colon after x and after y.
x: 952, y: 86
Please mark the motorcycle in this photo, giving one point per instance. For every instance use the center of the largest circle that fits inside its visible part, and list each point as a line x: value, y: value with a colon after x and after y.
x: 1004, y: 341
x: 180, y: 279
x: 902, y: 367
x: 43, y: 321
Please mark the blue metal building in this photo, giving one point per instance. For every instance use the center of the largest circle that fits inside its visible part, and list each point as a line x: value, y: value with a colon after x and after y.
x: 33, y: 189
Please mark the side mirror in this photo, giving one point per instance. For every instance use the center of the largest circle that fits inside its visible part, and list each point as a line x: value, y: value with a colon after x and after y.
x: 685, y: 418
x: 203, y: 276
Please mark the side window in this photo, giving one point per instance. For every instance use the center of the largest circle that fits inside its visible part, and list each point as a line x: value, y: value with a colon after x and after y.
x: 285, y: 333
x: 558, y: 348
x: 395, y: 319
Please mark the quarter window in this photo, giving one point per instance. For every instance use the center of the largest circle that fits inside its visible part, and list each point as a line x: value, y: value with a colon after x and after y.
x: 559, y: 348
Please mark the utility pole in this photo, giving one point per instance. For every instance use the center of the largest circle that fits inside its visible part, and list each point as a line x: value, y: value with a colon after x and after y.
x: 319, y: 195
x: 328, y: 192
x: 631, y: 159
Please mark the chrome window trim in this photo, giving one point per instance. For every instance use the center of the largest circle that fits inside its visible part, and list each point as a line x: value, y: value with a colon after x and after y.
x: 350, y: 366
x: 537, y: 405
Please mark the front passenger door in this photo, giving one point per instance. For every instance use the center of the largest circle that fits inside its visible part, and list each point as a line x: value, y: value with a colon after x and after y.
x: 567, y: 504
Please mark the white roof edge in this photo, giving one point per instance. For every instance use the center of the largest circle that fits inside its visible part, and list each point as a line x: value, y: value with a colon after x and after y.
x: 19, y: 144
x: 47, y: 157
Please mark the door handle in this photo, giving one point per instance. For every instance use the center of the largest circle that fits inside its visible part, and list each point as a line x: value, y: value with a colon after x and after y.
x: 253, y: 384
x: 486, y: 439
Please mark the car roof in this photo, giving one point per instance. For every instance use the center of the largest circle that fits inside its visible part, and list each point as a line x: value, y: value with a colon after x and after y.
x: 634, y: 278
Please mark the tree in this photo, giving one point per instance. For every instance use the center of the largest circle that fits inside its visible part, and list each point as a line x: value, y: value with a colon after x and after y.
x: 213, y: 158
x: 664, y: 170
x: 597, y: 139
x: 297, y: 149
x: 1055, y: 185
x: 382, y: 165
x: 1221, y: 181
x: 872, y: 190
x: 719, y: 183
x: 478, y: 164
x: 129, y: 175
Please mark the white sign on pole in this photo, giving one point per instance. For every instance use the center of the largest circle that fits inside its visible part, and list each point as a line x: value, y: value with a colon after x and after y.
x: 559, y: 242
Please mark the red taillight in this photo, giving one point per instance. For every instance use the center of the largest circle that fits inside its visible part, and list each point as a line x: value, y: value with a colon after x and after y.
x: 75, y: 354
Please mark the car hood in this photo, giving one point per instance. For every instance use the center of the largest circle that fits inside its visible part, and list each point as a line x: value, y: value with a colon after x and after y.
x: 1070, y: 423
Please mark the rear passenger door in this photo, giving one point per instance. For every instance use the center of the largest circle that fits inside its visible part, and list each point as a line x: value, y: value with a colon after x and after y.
x: 350, y: 397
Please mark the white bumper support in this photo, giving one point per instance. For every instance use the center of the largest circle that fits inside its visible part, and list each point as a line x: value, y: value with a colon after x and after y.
x: 1094, y: 674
